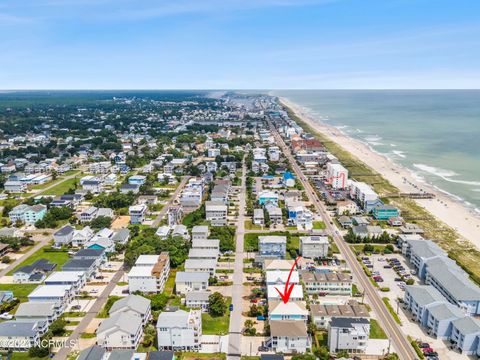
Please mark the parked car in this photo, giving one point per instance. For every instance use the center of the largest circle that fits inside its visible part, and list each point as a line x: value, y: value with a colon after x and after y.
x: 231, y: 307
x: 261, y: 318
x: 6, y: 316
x: 423, y: 345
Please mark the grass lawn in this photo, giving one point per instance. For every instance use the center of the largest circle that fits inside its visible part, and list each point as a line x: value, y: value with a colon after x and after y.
x: 250, y: 226
x: 195, y: 356
x: 86, y: 335
x: 24, y: 356
x: 392, y: 312
x: 170, y: 283
x: 216, y: 325
x: 57, y: 257
x: 20, y: 291
x: 319, y: 225
x: 62, y: 187
x: 376, y: 332
x: 106, y: 308
x: 377, y: 248
x: 251, y: 242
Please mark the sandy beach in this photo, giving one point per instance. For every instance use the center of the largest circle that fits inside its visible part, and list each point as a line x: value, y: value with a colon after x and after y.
x: 450, y: 211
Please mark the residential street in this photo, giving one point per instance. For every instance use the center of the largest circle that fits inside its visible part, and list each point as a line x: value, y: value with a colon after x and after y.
x: 163, y: 212
x: 235, y: 329
x: 91, y: 314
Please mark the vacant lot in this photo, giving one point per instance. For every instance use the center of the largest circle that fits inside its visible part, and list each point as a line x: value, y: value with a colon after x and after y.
x: 56, y: 257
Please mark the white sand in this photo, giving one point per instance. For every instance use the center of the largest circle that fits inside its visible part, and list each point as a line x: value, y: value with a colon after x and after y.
x: 464, y: 220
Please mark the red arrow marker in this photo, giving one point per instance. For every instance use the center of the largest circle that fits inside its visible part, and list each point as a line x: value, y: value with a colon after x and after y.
x: 288, y: 289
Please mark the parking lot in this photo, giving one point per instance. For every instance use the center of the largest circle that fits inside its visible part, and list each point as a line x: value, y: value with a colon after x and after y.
x: 391, y: 272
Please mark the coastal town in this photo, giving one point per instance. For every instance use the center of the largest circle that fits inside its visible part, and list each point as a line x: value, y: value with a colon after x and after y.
x: 198, y: 225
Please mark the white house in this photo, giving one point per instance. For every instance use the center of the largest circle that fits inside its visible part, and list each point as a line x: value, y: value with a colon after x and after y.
x: 21, y: 335
x: 186, y: 282
x: 63, y: 236
x: 315, y: 246
x: 137, y: 213
x: 179, y: 330
x: 289, y: 336
x: 132, y: 304
x: 120, y: 331
x: 350, y: 334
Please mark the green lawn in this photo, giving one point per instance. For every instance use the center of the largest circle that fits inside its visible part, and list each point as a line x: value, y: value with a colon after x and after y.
x: 392, y: 312
x: 62, y: 187
x: 216, y: 325
x: 319, y: 225
x: 20, y: 291
x: 24, y: 356
x: 250, y: 226
x: 57, y: 257
x: 170, y: 283
x: 106, y: 308
x: 376, y: 332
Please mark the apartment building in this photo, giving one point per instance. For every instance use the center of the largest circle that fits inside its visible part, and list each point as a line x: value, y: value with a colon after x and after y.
x: 149, y: 274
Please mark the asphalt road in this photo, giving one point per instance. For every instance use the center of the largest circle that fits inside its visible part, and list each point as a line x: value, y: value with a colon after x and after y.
x: 235, y: 328
x: 91, y: 314
x: 400, y: 342
x: 161, y: 214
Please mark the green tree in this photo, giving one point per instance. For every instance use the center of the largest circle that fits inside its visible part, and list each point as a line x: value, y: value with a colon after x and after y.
x: 57, y: 328
x: 249, y: 330
x: 216, y: 304
x: 149, y: 335
x: 38, y: 352
x: 303, y: 357
x: 100, y: 222
x: 254, y: 311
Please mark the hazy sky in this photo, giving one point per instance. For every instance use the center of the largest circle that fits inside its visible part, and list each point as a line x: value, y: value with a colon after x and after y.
x: 159, y: 44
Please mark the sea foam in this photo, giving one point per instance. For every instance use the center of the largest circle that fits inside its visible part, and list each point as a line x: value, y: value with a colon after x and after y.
x: 445, y: 174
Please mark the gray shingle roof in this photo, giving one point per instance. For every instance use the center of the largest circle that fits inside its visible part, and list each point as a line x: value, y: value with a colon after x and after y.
x: 424, y: 294
x: 94, y: 352
x: 64, y: 231
x: 36, y: 309
x: 137, y: 303
x: 183, y: 276
x: 445, y: 311
x: 467, y: 325
x: 425, y: 248
x: 122, y: 321
x: 18, y: 328
x: 454, y: 281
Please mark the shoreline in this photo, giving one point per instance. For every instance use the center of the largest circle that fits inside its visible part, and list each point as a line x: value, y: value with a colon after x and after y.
x: 444, y: 206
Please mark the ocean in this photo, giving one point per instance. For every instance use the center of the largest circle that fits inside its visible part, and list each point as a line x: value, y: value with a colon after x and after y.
x: 433, y: 133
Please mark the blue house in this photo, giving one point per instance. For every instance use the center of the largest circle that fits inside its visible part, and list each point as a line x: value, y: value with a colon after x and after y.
x: 288, y: 179
x: 385, y: 212
x: 268, y: 197
x: 124, y: 169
